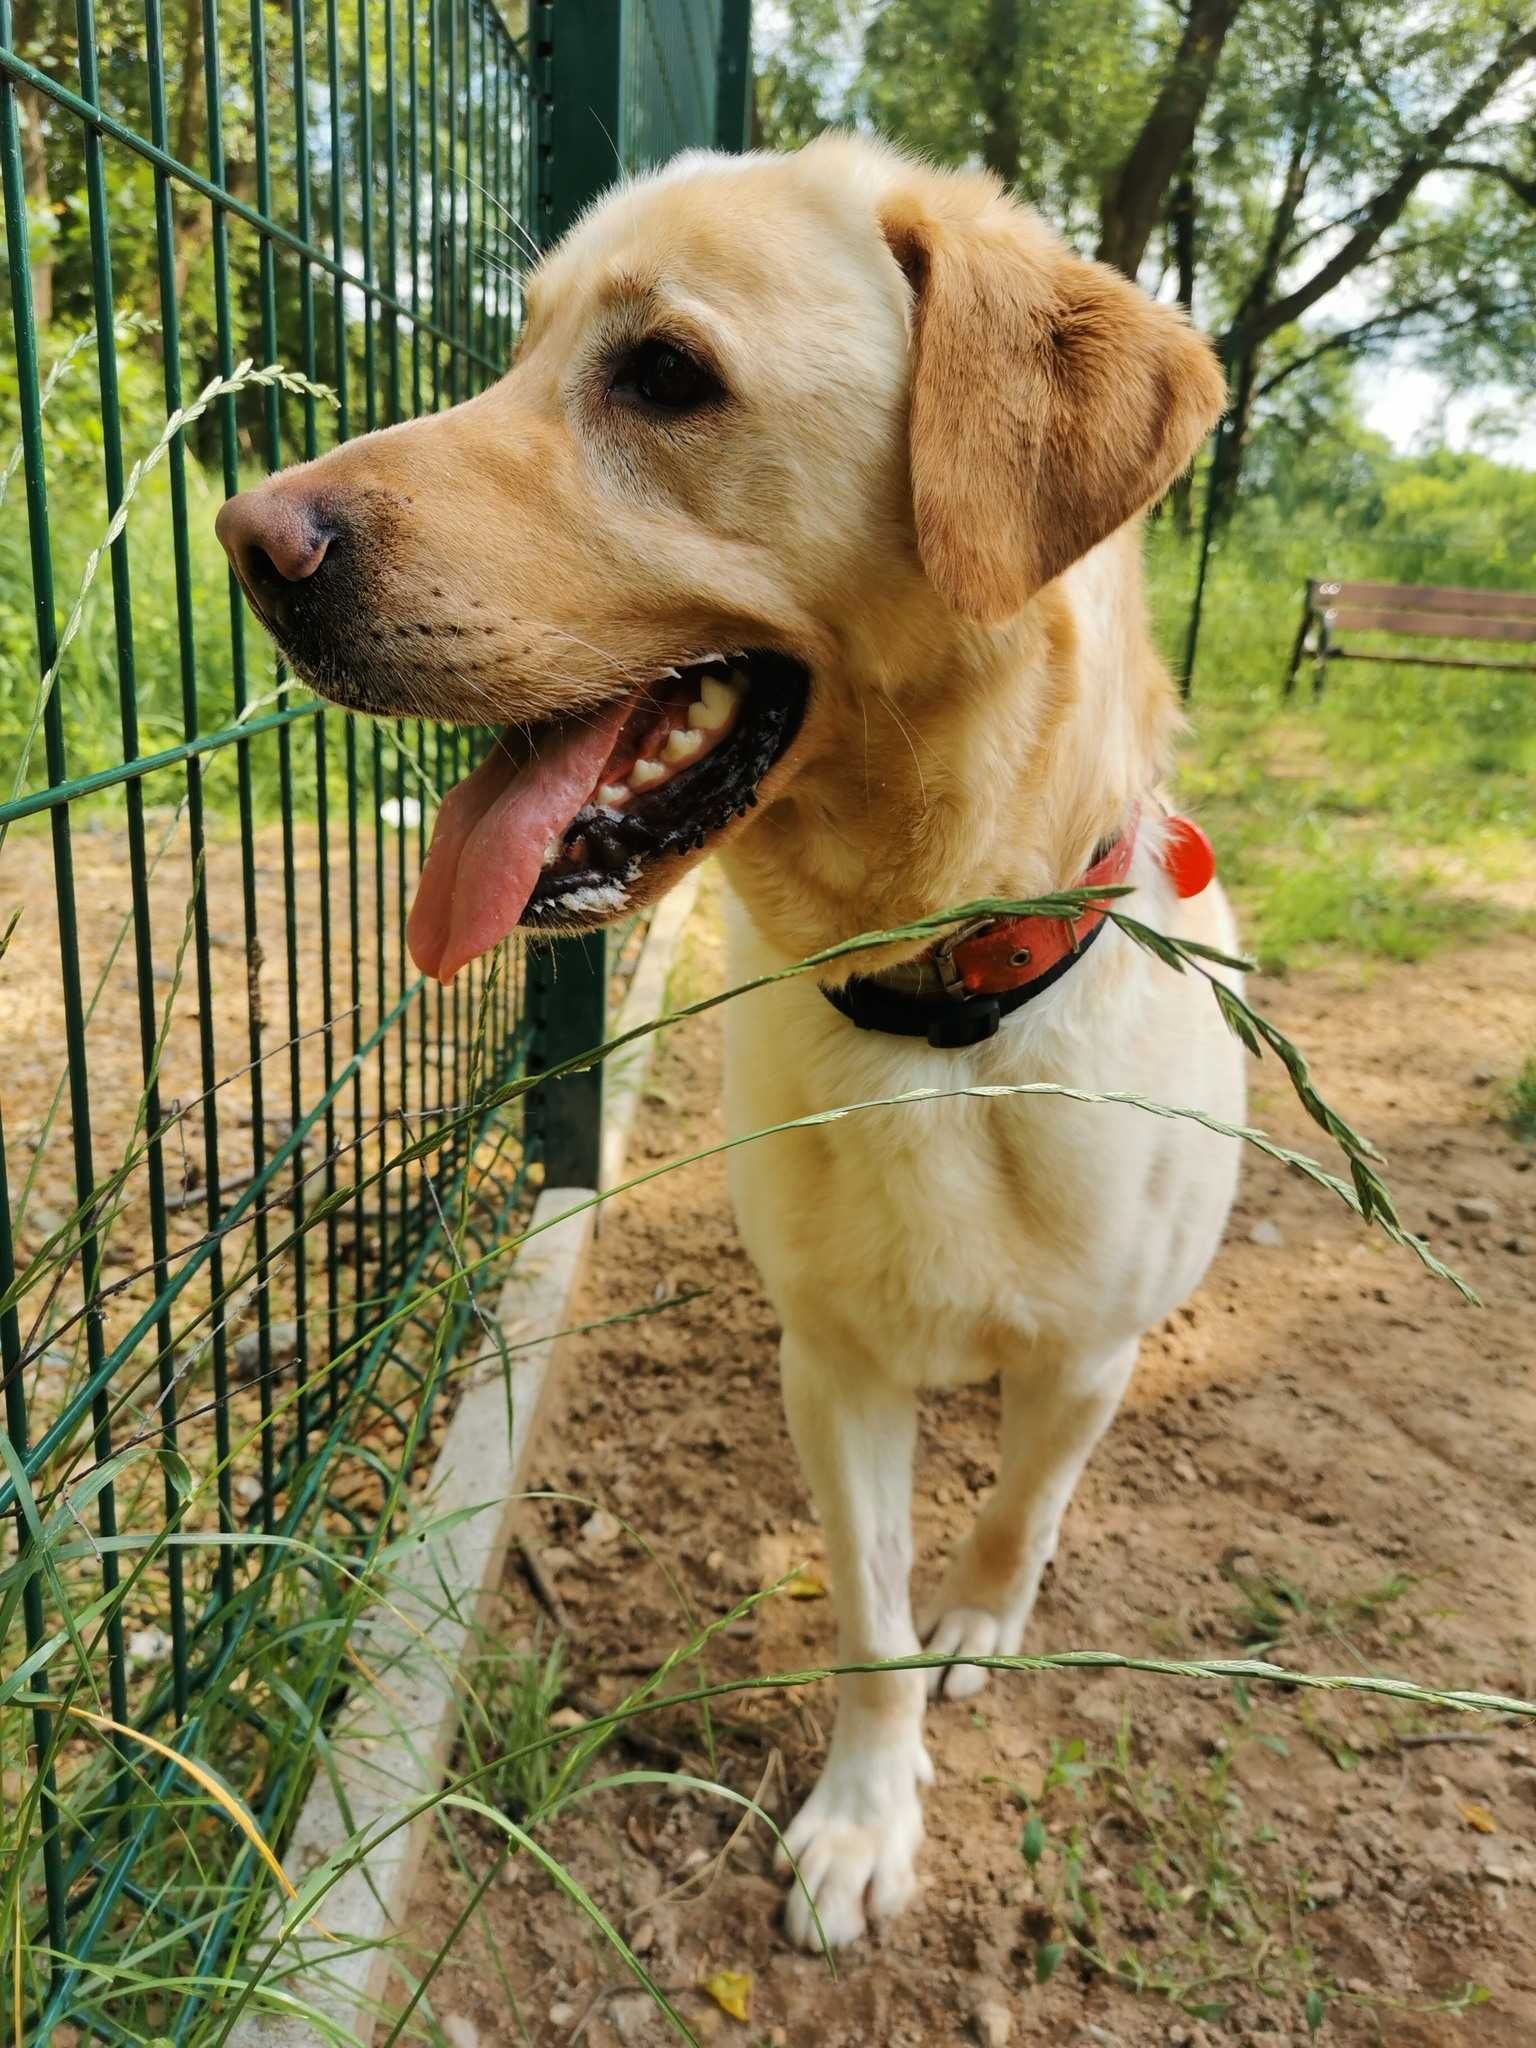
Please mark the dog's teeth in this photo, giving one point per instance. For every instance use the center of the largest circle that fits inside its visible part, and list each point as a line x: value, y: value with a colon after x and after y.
x: 551, y: 850
x: 613, y: 793
x: 716, y: 704
x: 644, y: 773
x: 682, y: 745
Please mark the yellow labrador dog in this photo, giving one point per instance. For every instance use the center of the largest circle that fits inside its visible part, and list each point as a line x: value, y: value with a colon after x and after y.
x: 804, y: 531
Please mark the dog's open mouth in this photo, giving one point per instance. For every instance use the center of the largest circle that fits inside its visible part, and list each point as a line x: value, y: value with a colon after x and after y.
x: 556, y: 827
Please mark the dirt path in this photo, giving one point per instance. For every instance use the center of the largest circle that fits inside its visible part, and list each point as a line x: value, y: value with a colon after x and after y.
x: 1325, y: 1452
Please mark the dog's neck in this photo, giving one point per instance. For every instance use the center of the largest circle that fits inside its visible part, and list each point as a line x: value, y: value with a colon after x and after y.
x: 993, y: 765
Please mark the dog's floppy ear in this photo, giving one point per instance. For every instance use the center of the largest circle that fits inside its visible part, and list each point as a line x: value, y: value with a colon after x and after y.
x: 1051, y: 399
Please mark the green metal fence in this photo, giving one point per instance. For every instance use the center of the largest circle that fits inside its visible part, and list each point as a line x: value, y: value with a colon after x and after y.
x: 220, y: 1381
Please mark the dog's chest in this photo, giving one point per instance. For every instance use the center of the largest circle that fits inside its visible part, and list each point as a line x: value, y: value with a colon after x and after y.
x: 956, y: 1230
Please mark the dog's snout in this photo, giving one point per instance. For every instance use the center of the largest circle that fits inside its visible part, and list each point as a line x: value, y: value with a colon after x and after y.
x: 277, y: 544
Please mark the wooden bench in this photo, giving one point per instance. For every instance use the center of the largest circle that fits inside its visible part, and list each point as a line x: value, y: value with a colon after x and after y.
x: 1425, y: 610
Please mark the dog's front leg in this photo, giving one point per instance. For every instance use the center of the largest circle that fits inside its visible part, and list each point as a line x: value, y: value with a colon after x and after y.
x: 856, y: 1838
x: 1053, y: 1416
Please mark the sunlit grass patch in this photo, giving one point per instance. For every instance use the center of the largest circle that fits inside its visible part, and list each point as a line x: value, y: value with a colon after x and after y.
x: 1385, y: 819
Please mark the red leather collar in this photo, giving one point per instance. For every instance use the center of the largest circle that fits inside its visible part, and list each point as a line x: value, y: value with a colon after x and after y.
x: 1010, y: 952
x: 989, y: 969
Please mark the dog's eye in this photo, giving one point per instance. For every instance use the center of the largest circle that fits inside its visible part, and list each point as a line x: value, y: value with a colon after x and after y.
x: 664, y: 377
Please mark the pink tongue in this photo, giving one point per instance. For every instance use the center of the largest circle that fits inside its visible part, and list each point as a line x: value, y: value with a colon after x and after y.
x: 488, y: 844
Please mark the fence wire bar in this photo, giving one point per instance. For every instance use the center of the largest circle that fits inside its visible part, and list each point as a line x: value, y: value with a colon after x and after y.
x: 220, y: 1382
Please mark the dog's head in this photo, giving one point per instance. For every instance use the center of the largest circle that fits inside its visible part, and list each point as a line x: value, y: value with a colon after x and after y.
x: 763, y: 410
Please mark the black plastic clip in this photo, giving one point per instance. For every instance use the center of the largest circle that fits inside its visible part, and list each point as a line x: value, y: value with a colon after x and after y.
x: 967, y: 1023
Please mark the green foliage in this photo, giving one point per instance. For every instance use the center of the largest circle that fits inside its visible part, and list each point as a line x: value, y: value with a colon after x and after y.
x: 1163, y: 1882
x: 1384, y: 819
x: 73, y: 424
x: 1273, y: 1610
x: 1521, y: 1100
x: 514, y: 1693
x: 1079, y: 76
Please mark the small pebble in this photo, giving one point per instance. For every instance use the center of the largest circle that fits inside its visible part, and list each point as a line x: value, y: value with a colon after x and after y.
x: 282, y: 1338
x: 601, y: 1527
x: 632, y: 2016
x: 460, y: 2032
x: 1475, y: 1209
x: 1267, y: 1232
x: 993, y: 2023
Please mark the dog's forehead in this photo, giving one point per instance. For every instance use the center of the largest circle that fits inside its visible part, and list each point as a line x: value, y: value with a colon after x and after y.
x: 759, y: 228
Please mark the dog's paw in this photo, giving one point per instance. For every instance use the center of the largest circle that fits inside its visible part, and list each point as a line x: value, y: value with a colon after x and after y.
x: 974, y: 1631
x: 855, y: 1843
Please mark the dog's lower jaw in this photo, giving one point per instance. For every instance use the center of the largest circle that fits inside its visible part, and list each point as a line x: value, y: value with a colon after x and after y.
x: 854, y: 1842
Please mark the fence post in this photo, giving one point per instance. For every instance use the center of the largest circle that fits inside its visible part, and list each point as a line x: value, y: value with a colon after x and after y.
x: 733, y: 91
x: 578, y: 48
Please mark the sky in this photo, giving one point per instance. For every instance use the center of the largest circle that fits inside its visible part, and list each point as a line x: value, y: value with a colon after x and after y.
x: 1410, y: 406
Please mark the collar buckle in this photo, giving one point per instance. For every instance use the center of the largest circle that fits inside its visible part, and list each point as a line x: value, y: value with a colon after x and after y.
x: 948, y: 971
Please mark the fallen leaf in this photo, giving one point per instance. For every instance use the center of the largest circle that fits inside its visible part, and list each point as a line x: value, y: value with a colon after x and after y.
x: 806, y: 1584
x: 730, y: 1989
x: 1478, y: 1817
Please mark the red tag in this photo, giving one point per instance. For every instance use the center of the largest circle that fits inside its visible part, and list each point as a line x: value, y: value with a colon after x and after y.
x: 1188, y: 856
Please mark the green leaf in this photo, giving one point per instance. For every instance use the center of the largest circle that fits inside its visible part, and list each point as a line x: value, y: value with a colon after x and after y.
x: 1316, y: 2007
x: 1032, y: 1841
x: 1047, y: 1956
x: 177, y: 1470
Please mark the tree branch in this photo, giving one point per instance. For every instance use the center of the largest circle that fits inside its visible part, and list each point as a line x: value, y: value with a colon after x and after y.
x: 1523, y: 188
x: 1387, y: 206
x: 1294, y: 185
x: 1349, y: 337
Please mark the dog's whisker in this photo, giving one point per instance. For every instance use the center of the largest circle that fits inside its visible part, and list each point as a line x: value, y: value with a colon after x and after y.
x: 906, y: 732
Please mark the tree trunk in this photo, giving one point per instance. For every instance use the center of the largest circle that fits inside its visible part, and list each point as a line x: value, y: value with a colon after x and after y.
x: 1135, y: 199
x: 1181, y: 249
x: 1002, y: 140
x: 194, y: 221
x: 34, y: 170
x: 30, y: 105
x: 1232, y: 443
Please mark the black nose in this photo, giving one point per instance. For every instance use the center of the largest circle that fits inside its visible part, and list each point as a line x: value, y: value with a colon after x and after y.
x: 276, y: 542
